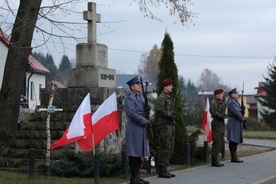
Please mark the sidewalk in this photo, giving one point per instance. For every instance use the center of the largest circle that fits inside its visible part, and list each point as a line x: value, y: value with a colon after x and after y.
x: 256, y: 169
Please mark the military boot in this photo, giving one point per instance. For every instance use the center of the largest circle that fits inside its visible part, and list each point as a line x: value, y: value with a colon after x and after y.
x: 135, y: 179
x: 234, y: 157
x: 163, y: 173
x: 134, y: 170
x: 172, y: 175
x: 142, y: 180
x: 215, y: 162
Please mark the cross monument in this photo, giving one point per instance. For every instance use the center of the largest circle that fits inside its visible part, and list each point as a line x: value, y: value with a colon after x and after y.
x: 91, y: 57
x: 93, y: 18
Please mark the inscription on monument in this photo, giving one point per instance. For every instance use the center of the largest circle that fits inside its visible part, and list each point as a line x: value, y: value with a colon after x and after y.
x: 107, y: 77
x: 101, y: 55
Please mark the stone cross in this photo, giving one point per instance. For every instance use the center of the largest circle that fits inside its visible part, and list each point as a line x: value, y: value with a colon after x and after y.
x: 93, y: 18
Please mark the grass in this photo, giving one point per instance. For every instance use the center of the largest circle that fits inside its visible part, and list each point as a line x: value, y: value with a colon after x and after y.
x: 8, y: 177
x: 260, y: 134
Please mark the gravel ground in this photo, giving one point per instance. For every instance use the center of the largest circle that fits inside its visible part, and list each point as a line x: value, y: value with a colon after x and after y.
x: 248, y: 150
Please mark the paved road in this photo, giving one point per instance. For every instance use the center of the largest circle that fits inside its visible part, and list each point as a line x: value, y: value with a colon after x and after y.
x: 261, y: 142
x: 256, y: 169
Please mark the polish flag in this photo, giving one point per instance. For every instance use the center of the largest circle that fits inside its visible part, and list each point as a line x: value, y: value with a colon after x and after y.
x: 206, y: 123
x: 104, y: 121
x: 80, y: 125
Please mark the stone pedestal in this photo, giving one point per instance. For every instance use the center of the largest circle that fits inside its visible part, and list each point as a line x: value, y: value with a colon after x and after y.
x: 91, y: 70
x: 91, y: 77
x: 91, y: 54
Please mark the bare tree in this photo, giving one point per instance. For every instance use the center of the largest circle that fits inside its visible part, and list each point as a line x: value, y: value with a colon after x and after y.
x: 28, y: 18
x: 31, y: 17
x: 209, y: 81
x: 175, y: 7
x: 149, y: 64
x: 17, y: 64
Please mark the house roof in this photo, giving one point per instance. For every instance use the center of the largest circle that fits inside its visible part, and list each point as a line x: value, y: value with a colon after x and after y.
x: 260, y: 90
x: 35, y: 65
x: 58, y: 84
x: 263, y: 93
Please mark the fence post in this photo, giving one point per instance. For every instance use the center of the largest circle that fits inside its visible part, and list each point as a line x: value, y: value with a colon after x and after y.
x: 205, y: 151
x: 96, y: 169
x: 223, y: 149
x: 187, y: 159
x: 124, y: 164
x: 32, y: 162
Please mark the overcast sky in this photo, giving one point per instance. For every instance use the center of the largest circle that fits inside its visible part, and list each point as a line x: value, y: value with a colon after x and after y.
x: 235, y: 39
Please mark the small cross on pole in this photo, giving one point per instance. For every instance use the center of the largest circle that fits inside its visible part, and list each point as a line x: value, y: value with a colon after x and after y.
x: 51, y: 109
x: 93, y: 18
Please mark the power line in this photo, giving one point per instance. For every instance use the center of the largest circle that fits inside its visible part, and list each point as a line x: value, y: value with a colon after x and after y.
x: 233, y: 57
x: 195, y: 55
x: 184, y: 55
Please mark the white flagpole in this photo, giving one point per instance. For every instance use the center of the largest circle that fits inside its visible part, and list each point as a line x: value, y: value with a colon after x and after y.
x: 93, y: 144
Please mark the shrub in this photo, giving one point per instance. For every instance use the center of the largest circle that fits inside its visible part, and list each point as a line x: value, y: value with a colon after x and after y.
x: 255, y: 125
x: 71, y: 164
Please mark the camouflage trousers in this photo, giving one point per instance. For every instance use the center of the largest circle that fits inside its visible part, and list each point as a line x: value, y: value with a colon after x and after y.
x: 218, y: 129
x: 166, y: 142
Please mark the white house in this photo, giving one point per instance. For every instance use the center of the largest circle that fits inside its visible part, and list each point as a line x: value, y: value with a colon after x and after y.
x: 35, y: 77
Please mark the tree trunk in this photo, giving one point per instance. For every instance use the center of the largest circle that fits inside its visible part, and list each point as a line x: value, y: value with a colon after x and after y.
x: 48, y: 131
x: 17, y: 64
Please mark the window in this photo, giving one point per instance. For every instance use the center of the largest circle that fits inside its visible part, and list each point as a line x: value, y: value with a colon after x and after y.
x: 40, y: 86
x: 32, y: 91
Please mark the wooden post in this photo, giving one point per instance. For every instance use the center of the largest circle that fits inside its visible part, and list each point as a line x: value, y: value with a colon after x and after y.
x: 51, y: 109
x: 48, y: 151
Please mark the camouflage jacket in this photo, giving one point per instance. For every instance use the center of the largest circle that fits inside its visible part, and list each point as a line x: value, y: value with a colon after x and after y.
x: 216, y: 108
x: 163, y: 108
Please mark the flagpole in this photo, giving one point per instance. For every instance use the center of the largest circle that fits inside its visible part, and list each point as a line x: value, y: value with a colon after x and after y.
x: 205, y: 149
x: 96, y: 163
x: 93, y: 145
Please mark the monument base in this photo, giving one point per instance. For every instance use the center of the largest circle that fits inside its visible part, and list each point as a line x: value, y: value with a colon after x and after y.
x: 91, y: 77
x: 92, y: 54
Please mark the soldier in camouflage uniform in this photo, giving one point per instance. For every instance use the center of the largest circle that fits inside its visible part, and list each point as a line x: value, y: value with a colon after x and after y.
x: 166, y: 128
x: 218, y: 126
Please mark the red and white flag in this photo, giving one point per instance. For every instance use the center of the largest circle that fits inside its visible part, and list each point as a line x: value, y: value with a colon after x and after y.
x: 206, y: 123
x: 80, y: 126
x: 104, y: 121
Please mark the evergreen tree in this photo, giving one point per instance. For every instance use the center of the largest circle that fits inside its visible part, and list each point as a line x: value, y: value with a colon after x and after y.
x: 63, y: 67
x: 192, y: 110
x: 55, y: 75
x: 40, y: 57
x: 49, y: 63
x: 269, y: 101
x: 64, y: 64
x: 168, y: 69
x: 192, y: 91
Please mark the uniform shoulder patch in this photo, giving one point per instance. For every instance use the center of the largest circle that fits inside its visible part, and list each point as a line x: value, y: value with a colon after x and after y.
x: 162, y: 96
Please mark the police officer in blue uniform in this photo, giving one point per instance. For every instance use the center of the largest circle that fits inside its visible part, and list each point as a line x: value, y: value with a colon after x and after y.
x: 137, y: 143
x: 234, y: 125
